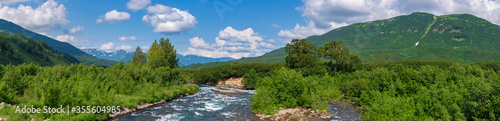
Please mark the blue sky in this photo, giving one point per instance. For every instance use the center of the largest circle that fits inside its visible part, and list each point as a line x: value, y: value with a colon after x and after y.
x: 244, y: 28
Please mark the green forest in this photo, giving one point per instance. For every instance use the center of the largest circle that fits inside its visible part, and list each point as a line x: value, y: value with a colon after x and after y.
x: 18, y: 49
x: 407, y: 90
x: 124, y: 85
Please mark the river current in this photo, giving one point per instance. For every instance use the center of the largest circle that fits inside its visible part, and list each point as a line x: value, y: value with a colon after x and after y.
x: 207, y: 105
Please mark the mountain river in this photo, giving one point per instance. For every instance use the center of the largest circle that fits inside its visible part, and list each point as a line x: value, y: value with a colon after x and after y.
x: 209, y: 105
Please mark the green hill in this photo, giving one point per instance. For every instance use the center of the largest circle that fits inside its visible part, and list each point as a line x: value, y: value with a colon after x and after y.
x: 18, y: 49
x: 460, y: 38
x: 61, y: 47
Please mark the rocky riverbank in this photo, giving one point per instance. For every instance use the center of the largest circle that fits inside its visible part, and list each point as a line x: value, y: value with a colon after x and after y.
x: 141, y: 106
x: 295, y: 114
x: 233, y: 82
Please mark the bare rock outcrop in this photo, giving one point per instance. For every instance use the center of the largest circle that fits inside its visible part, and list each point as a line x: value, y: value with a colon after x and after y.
x: 233, y: 82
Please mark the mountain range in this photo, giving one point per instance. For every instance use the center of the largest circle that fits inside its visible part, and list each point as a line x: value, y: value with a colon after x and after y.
x: 114, y: 55
x: 419, y: 36
x: 122, y: 55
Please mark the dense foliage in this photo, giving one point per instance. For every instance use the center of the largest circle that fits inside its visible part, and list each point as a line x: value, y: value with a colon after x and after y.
x: 287, y: 88
x: 394, y: 91
x: 81, y: 85
x: 18, y: 49
x: 124, y: 85
x: 427, y: 92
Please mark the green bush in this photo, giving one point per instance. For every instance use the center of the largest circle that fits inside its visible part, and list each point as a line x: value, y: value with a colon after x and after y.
x: 287, y: 88
x: 123, y: 85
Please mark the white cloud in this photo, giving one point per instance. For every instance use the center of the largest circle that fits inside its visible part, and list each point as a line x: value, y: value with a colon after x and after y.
x: 107, y: 46
x: 99, y: 20
x: 136, y: 5
x: 198, y: 42
x: 45, y: 17
x: 113, y: 16
x: 69, y: 38
x: 111, y: 46
x: 169, y: 20
x: 74, y: 30
x: 231, y: 43
x: 325, y: 15
x: 125, y: 38
x: 8, y: 2
x: 124, y: 47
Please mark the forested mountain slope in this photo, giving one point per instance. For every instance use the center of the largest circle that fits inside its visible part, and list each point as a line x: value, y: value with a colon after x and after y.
x: 461, y: 38
x: 18, y: 49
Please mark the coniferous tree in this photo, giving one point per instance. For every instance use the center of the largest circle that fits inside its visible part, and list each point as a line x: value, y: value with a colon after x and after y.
x: 139, y: 57
x: 162, y: 54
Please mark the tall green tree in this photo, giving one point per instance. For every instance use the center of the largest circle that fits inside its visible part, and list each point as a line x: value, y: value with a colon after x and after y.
x: 139, y: 57
x: 334, y: 51
x: 162, y: 54
x: 301, y: 54
x: 339, y: 52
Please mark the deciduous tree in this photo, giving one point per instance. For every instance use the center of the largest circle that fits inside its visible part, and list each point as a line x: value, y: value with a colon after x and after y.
x: 301, y: 54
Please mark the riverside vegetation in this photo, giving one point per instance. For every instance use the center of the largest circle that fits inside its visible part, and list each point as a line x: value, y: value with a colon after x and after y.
x: 408, y: 90
x: 140, y: 81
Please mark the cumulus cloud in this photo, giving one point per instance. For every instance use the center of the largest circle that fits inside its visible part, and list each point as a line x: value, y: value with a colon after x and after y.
x: 136, y: 5
x: 45, y: 17
x: 231, y: 43
x: 107, y: 46
x: 8, y: 2
x: 113, y: 16
x: 325, y: 15
x: 69, y: 38
x: 125, y: 38
x: 169, y: 20
x: 111, y: 46
x: 74, y: 30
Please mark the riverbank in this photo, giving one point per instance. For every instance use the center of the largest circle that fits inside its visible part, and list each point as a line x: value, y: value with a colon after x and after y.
x: 144, y: 105
x: 231, y: 82
x: 338, y: 110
